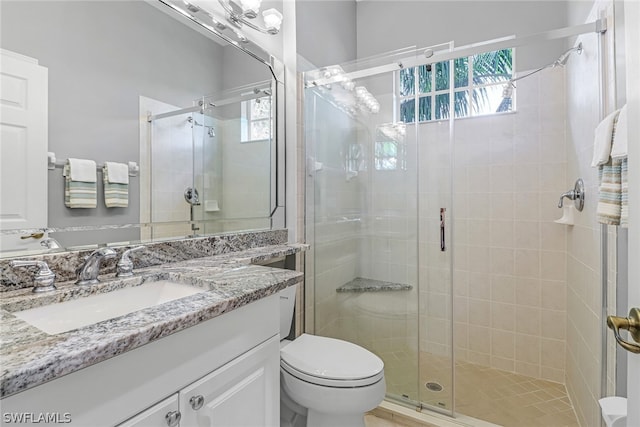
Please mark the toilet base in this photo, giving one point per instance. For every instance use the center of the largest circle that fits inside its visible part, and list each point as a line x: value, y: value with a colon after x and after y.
x: 291, y: 414
x: 303, y: 404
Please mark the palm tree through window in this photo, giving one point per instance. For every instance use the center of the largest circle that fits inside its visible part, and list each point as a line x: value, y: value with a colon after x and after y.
x: 478, y: 84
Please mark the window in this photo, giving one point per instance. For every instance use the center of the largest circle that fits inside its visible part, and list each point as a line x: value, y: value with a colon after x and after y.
x: 255, y: 120
x: 478, y: 84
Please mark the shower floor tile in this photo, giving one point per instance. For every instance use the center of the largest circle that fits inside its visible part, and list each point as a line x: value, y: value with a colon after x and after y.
x: 489, y: 394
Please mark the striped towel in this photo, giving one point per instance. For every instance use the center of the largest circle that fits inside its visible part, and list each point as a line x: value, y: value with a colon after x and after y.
x: 624, y: 198
x: 115, y: 177
x: 80, y: 184
x: 609, y: 210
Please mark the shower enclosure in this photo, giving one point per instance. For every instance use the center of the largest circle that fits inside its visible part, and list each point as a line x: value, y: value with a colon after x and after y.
x: 210, y: 165
x: 430, y: 210
x: 380, y: 226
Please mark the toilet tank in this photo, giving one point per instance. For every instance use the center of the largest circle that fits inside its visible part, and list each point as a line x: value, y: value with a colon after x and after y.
x: 287, y: 305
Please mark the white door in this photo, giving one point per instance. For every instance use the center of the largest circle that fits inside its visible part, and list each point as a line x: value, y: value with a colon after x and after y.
x: 162, y: 414
x: 632, y: 42
x: 243, y: 393
x: 23, y: 147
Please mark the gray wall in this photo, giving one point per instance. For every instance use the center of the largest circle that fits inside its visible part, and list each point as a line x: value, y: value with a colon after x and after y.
x: 326, y: 31
x: 333, y: 32
x: 101, y: 57
x: 387, y: 25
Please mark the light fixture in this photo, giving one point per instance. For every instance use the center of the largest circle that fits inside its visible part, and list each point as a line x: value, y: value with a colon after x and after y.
x: 242, y: 12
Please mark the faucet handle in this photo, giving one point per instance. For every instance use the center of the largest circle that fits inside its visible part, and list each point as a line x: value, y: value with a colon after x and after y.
x: 44, y: 280
x: 125, y: 265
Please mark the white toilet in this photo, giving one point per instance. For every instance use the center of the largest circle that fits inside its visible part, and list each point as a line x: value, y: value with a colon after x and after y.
x: 325, y: 381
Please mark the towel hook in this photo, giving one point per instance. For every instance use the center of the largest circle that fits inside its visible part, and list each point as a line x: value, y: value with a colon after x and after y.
x: 577, y: 195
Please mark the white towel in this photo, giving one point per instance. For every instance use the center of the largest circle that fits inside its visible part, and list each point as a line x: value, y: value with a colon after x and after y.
x: 619, y: 149
x: 118, y: 172
x: 82, y: 170
x: 116, y: 184
x: 602, y: 141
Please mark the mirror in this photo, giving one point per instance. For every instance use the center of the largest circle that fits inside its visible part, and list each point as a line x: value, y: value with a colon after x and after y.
x: 110, y: 66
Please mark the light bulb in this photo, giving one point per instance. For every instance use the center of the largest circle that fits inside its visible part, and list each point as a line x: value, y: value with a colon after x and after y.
x: 250, y: 8
x: 348, y: 85
x: 272, y: 20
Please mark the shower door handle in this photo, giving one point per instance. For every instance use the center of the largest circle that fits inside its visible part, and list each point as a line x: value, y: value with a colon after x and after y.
x: 443, y: 246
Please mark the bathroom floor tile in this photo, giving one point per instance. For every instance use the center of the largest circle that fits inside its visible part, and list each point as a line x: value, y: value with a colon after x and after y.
x: 500, y: 397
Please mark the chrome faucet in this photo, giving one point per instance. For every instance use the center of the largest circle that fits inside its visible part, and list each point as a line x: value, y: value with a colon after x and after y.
x: 124, y: 268
x: 87, y: 273
x: 577, y: 195
x: 571, y: 195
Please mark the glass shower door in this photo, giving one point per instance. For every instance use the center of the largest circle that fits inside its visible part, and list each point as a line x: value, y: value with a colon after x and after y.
x: 232, y: 161
x: 362, y: 203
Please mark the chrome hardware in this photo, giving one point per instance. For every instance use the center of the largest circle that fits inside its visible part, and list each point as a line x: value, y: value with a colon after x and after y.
x: 577, y: 195
x: 191, y: 196
x: 87, y: 273
x: 196, y: 402
x: 443, y: 246
x: 44, y: 280
x: 50, y: 243
x: 173, y: 418
x: 632, y: 324
x: 124, y: 267
x: 33, y: 236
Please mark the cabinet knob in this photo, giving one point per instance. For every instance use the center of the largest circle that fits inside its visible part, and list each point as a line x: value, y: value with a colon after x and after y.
x: 196, y: 402
x: 173, y: 418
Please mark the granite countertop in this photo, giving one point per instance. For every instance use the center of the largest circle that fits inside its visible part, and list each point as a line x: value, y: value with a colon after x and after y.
x: 29, y: 357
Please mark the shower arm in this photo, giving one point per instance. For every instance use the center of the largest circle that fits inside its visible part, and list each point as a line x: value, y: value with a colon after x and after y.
x: 560, y: 62
x: 512, y: 81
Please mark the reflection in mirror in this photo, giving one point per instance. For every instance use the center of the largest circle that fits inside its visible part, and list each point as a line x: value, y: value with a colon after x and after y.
x: 209, y: 164
x: 104, y: 60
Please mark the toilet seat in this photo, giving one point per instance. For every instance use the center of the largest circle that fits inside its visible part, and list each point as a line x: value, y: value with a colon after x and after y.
x: 331, y: 362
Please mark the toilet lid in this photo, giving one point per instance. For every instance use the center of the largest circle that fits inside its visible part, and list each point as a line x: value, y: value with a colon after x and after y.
x: 331, y: 359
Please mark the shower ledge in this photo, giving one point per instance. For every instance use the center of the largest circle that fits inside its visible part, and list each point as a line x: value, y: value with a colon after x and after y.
x: 360, y: 284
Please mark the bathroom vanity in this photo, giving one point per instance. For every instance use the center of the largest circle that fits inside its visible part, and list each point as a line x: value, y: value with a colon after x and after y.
x: 211, y: 358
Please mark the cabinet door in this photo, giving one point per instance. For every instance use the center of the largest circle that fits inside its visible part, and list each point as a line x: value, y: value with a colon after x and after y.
x: 243, y: 393
x: 162, y: 414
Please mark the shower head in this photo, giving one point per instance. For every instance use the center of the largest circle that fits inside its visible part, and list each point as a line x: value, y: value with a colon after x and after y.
x: 562, y: 60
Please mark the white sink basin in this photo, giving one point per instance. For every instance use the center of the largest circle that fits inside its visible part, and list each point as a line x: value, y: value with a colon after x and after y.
x: 68, y: 315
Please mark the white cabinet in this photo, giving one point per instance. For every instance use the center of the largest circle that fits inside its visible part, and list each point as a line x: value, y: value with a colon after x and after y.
x: 243, y: 393
x: 238, y: 352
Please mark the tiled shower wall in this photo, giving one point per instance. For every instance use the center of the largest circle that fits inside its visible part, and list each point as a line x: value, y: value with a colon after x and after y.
x: 510, y: 256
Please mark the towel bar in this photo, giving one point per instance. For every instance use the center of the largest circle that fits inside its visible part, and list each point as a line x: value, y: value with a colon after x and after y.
x: 134, y: 169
